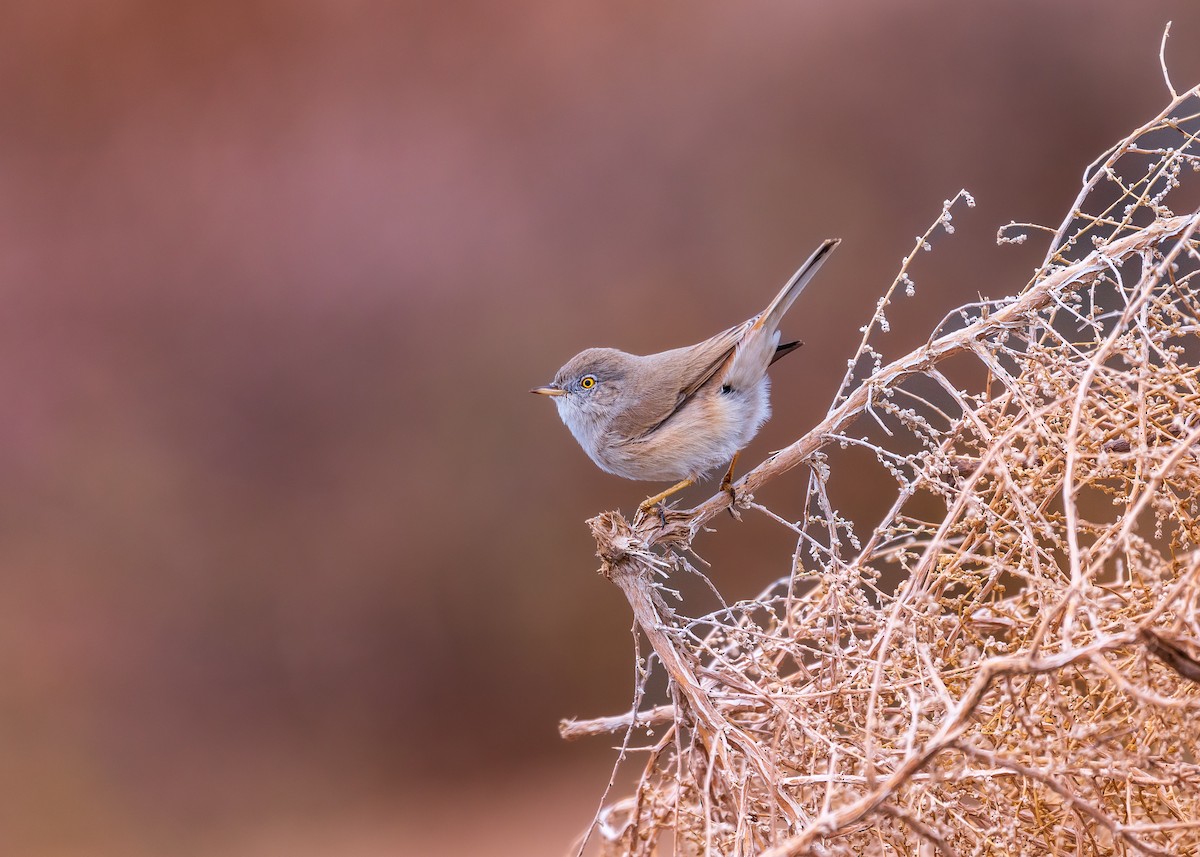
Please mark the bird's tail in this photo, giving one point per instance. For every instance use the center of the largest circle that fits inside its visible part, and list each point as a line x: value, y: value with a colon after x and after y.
x: 775, y: 310
x: 759, y: 346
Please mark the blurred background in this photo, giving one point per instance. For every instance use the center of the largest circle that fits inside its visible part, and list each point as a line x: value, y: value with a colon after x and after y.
x: 290, y: 561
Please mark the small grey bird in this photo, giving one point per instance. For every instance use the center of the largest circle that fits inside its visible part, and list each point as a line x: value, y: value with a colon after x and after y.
x: 679, y: 414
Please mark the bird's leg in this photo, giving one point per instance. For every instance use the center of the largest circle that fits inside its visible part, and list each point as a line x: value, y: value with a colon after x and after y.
x: 727, y: 485
x: 650, y: 502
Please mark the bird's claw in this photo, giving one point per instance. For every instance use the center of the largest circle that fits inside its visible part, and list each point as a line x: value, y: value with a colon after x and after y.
x: 658, y: 508
x: 734, y: 499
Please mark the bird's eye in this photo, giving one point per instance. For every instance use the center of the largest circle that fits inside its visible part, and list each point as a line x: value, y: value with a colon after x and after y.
x: 587, y: 382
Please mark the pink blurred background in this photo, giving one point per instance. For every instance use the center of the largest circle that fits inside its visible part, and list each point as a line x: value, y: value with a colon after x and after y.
x: 291, y: 561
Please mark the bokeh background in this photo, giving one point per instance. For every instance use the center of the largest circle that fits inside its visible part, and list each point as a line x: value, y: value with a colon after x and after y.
x: 290, y: 561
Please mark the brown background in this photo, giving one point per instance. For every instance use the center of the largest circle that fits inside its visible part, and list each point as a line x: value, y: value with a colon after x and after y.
x: 290, y: 562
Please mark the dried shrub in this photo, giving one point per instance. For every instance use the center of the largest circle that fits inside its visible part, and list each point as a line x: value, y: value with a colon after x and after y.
x: 1006, y: 663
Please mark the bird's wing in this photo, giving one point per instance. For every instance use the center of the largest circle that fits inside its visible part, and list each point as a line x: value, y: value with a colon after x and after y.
x: 713, y: 355
x: 681, y: 374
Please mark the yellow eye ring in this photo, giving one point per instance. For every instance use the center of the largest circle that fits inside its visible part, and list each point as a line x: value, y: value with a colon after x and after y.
x: 588, y: 382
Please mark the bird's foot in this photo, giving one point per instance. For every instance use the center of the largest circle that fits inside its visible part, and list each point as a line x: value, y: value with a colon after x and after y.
x: 657, y: 504
x: 660, y: 509
x: 727, y: 487
x: 734, y: 498
x: 662, y: 525
x: 657, y: 500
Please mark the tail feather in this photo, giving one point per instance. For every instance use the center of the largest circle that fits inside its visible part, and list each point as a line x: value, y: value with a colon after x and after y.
x: 774, y: 312
x: 784, y: 349
x: 759, y: 346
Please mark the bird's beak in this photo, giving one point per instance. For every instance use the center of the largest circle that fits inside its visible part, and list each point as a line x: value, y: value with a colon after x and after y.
x: 548, y: 391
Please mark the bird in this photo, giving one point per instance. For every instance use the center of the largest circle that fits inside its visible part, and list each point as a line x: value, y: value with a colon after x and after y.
x: 678, y: 415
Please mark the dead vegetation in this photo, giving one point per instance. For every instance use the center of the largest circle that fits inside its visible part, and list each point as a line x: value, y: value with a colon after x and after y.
x: 1006, y: 663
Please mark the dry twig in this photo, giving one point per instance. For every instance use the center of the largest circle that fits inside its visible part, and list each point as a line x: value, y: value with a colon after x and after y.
x: 1007, y: 661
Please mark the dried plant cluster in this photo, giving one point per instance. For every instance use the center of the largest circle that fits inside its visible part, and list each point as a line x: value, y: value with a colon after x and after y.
x: 1006, y: 663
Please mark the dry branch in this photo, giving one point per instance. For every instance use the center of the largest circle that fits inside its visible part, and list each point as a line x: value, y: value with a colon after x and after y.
x: 1007, y: 662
